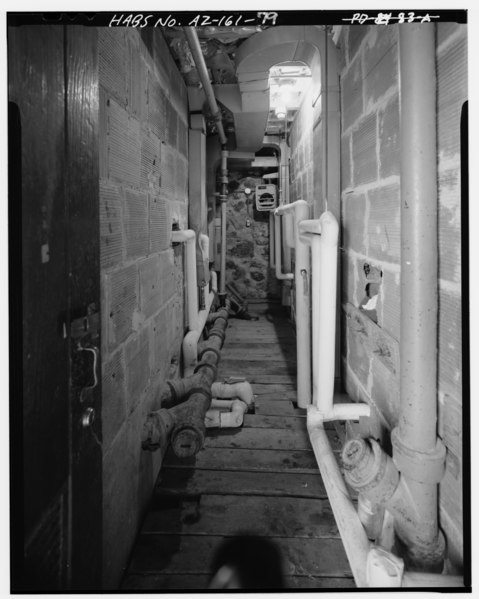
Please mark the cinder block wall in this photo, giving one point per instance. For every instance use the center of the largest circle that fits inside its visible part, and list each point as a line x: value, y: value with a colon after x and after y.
x: 370, y: 234
x: 370, y: 168
x: 143, y: 190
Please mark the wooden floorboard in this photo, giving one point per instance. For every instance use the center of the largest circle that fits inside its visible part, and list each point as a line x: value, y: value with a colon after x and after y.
x: 192, y: 582
x: 261, y: 478
x: 191, y: 554
x: 203, y: 514
x: 193, y: 481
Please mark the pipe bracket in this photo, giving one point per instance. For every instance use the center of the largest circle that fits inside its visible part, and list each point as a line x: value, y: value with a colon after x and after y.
x: 424, y: 467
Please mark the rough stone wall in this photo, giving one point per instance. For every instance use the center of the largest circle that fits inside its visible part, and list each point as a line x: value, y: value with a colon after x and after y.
x: 370, y: 173
x: 247, y: 247
x: 143, y: 190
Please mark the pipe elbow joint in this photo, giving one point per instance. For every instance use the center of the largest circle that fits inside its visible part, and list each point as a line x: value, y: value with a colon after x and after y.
x: 369, y: 470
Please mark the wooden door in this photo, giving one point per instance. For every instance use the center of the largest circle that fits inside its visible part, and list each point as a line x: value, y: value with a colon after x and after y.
x: 54, y: 307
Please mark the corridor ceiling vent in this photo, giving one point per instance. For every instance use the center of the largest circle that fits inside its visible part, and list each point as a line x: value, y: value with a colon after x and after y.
x: 288, y: 83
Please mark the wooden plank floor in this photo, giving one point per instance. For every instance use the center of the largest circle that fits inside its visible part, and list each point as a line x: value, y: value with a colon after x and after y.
x: 261, y: 479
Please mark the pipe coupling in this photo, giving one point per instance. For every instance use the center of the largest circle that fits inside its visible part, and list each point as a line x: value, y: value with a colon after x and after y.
x: 424, y: 467
x: 212, y: 367
x: 205, y: 350
x: 369, y: 470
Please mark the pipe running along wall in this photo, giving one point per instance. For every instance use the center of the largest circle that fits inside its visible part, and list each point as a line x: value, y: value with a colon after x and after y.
x: 322, y: 234
x: 407, y: 484
x: 184, y: 424
x: 195, y: 47
x: 299, y: 211
x: 417, y: 451
x: 278, y: 262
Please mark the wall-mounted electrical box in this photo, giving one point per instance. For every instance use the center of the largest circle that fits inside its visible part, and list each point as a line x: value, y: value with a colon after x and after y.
x: 266, y: 197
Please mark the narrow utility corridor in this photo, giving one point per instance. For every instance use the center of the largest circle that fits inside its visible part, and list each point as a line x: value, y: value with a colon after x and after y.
x: 171, y: 174
x: 261, y: 478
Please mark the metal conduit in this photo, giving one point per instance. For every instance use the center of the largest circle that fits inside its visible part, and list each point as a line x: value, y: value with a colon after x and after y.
x: 194, y: 43
x: 418, y: 453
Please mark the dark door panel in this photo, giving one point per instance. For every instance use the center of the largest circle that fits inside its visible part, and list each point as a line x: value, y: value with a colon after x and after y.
x: 56, y: 402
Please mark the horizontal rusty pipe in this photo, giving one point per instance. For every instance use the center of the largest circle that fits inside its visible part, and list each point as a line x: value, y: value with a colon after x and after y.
x: 184, y: 424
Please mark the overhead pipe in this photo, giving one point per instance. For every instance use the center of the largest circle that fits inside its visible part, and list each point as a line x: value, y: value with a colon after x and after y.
x: 299, y: 211
x: 195, y: 47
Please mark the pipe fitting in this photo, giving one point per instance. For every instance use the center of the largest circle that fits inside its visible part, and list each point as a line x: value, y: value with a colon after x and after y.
x: 242, y: 390
x: 187, y: 441
x: 217, y: 333
x: 212, y: 367
x: 423, y: 467
x: 209, y: 349
x: 369, y: 470
x: 156, y: 430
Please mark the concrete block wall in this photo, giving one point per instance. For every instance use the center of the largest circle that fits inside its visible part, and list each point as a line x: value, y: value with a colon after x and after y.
x: 370, y: 229
x: 370, y: 220
x: 143, y: 191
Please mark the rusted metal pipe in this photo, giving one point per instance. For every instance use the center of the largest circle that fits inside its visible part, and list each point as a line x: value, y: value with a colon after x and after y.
x: 184, y: 424
x: 195, y: 47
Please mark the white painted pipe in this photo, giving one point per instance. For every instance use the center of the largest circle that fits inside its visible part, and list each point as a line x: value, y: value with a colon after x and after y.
x: 323, y: 233
x: 190, y: 341
x: 188, y: 237
x: 289, y: 227
x: 271, y: 240
x: 324, y: 259
x: 241, y: 390
x: 214, y: 281
x: 353, y: 535
x: 277, y: 243
x: 217, y: 417
x: 204, y: 243
x: 299, y: 211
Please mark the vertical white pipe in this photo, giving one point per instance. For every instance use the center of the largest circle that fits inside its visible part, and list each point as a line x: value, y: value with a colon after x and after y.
x: 299, y: 211
x: 277, y: 240
x: 272, y: 246
x: 324, y: 245
x: 188, y: 236
x: 223, y: 249
x: 303, y: 308
x: 315, y: 292
x: 289, y: 225
x: 326, y: 327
